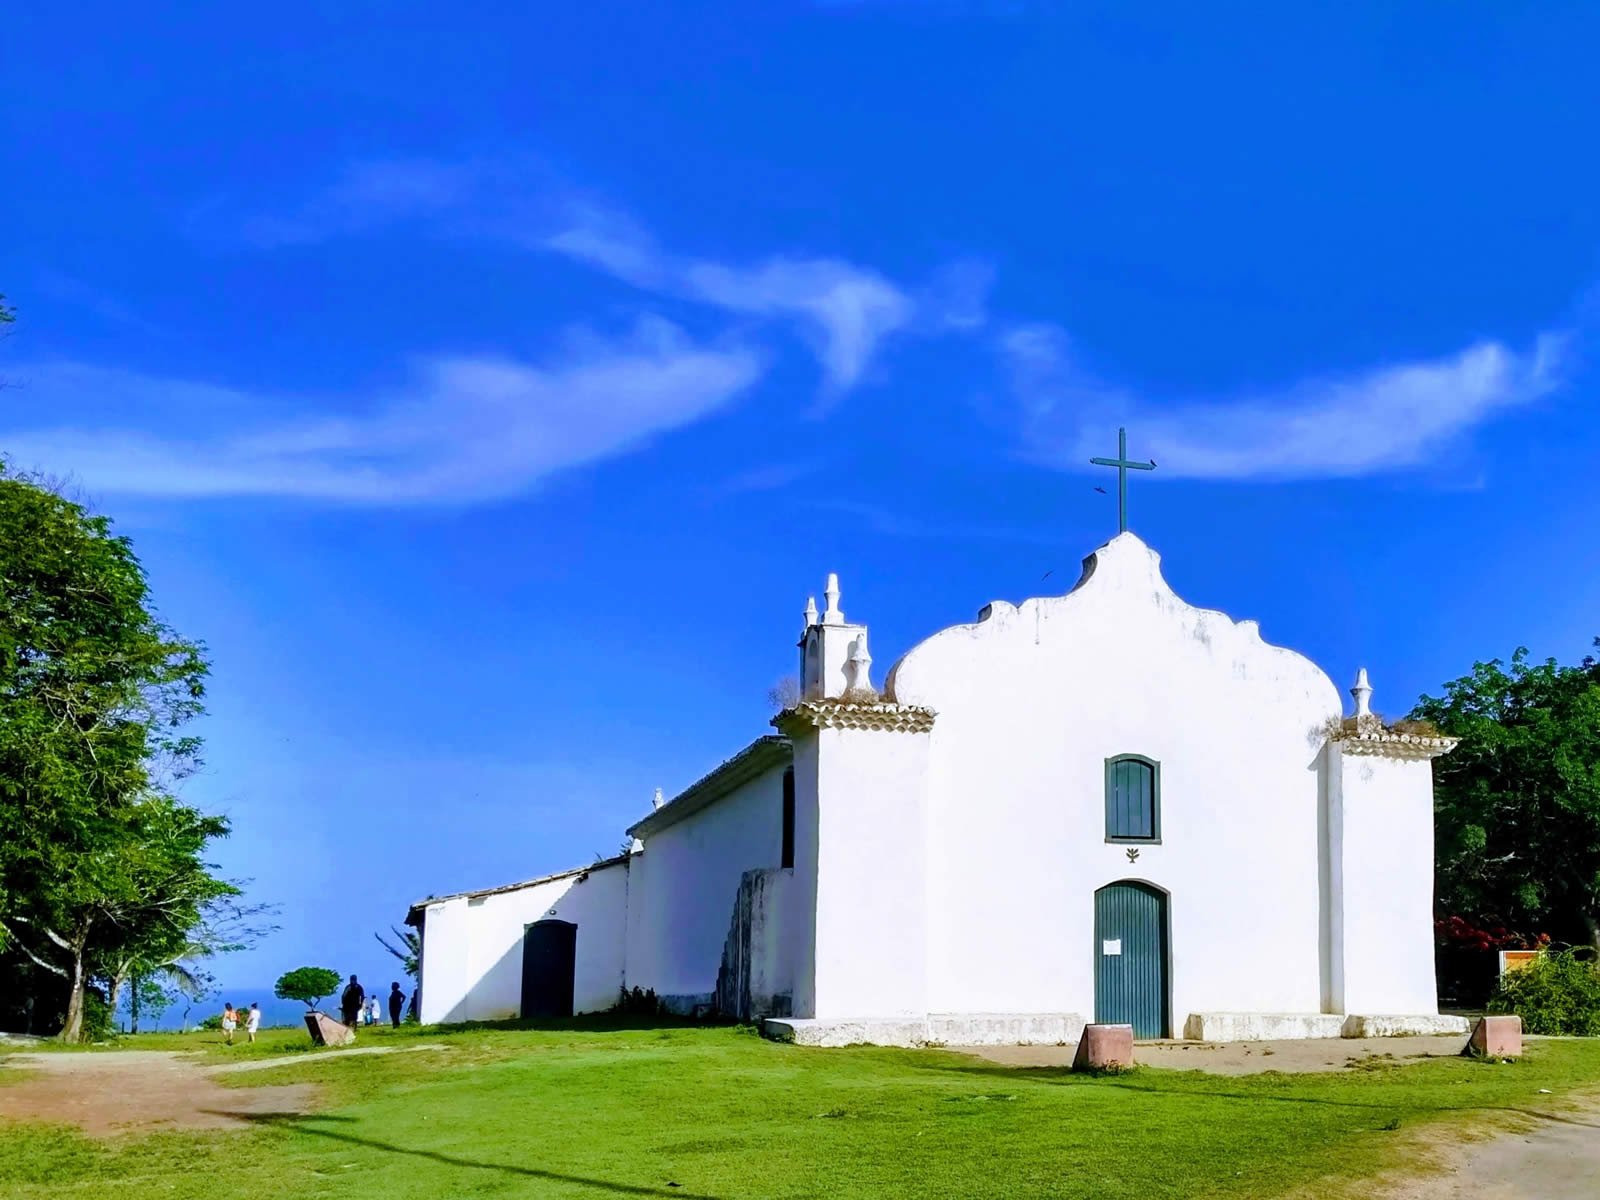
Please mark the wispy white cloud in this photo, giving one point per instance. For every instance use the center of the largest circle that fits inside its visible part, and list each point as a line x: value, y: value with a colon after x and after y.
x: 1364, y: 422
x: 465, y: 429
x: 845, y: 311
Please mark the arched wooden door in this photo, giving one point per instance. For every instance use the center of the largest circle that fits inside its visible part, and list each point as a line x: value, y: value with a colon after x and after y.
x: 549, y: 951
x: 1130, y: 958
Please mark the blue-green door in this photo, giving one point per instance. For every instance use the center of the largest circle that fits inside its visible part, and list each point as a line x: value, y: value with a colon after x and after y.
x: 1130, y: 958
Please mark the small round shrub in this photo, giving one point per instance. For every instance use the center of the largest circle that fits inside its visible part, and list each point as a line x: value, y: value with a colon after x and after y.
x: 1557, y: 994
x: 307, y: 984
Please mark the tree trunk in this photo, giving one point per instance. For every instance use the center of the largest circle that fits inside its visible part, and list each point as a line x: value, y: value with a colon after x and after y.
x: 72, y: 1030
x: 133, y: 1003
x: 116, y: 994
x: 1591, y: 922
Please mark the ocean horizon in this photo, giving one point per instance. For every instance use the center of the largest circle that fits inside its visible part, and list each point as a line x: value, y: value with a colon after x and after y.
x: 275, y: 1013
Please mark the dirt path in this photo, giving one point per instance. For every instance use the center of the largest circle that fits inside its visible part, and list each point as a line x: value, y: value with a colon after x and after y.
x: 136, y: 1091
x: 1558, y: 1159
x: 1240, y: 1058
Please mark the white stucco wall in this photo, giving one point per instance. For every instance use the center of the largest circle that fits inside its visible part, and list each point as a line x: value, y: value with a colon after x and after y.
x: 1031, y: 701
x: 685, y: 896
x: 866, y: 839
x: 472, y: 957
x: 1381, y: 951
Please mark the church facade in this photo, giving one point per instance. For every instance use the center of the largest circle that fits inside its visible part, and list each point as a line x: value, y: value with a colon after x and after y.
x: 1103, y: 806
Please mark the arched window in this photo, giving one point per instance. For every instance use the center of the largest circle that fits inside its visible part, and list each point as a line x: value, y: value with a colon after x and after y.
x: 1133, y: 799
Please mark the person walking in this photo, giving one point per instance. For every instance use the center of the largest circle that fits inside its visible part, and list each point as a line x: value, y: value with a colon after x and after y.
x: 230, y: 1022
x: 252, y: 1021
x: 397, y: 1004
x: 352, y: 1001
x: 375, y: 1011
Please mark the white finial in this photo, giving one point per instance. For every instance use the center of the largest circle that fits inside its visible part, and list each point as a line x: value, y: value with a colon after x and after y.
x: 811, y: 611
x: 657, y: 801
x: 858, y: 665
x: 1363, y: 694
x: 831, y: 615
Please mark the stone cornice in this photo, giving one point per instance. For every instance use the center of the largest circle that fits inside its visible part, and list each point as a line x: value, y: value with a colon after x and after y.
x: 855, y: 714
x: 1368, y: 735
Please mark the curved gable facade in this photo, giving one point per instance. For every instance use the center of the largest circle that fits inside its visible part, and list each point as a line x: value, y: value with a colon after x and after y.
x: 1033, y: 701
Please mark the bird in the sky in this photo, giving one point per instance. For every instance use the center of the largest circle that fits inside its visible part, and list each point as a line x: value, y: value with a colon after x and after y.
x: 1101, y: 490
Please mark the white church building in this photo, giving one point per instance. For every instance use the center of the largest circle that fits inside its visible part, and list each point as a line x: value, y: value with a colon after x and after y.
x: 1103, y: 806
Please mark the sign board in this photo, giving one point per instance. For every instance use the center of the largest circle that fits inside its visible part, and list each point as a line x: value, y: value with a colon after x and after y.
x: 1111, y: 946
x: 1517, y: 960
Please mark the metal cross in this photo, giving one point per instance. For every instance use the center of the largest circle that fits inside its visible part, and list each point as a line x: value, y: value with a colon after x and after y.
x: 1123, y: 466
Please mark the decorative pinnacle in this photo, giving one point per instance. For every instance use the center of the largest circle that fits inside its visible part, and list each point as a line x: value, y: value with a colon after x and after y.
x: 831, y: 615
x: 658, y: 800
x: 811, y: 611
x: 1363, y: 694
x: 858, y: 664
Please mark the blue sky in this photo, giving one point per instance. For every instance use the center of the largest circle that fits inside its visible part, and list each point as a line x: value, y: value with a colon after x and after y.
x: 490, y: 389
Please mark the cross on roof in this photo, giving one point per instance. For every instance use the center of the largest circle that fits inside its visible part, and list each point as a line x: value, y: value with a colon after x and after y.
x: 1123, y: 466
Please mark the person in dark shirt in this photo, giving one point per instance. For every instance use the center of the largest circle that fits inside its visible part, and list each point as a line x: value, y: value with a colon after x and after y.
x: 350, y: 1002
x: 397, y: 1003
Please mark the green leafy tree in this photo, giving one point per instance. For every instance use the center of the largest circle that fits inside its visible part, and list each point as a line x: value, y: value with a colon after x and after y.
x: 95, y: 691
x: 307, y: 984
x: 1518, y: 801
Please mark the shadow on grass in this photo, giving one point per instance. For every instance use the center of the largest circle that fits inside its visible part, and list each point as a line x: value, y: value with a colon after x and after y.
x: 304, y: 1123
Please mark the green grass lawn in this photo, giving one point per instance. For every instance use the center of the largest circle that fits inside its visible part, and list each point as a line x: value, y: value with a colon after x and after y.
x: 597, y: 1110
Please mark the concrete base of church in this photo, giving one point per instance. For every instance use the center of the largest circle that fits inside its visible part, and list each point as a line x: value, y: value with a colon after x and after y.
x: 1367, y: 1026
x: 1271, y: 1027
x: 937, y: 1029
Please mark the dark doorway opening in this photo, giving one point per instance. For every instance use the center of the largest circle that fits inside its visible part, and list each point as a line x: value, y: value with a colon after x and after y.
x: 549, y: 953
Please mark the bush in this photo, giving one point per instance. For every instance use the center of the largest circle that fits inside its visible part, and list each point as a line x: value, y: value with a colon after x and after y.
x: 97, y: 1023
x: 1558, y: 994
x: 638, y: 1003
x: 214, y: 1021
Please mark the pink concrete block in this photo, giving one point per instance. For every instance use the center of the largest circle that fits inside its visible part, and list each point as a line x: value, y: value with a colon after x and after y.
x: 1104, y: 1047
x: 325, y: 1031
x: 1496, y: 1037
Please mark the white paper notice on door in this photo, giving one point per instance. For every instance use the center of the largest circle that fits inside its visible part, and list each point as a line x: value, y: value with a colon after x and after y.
x: 1111, y: 946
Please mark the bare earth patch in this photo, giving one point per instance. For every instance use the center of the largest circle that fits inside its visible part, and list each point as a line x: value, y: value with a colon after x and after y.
x: 136, y: 1091
x: 1241, y: 1058
x: 139, y: 1091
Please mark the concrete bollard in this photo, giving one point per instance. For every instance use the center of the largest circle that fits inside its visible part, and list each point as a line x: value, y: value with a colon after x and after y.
x: 325, y: 1031
x: 1495, y: 1037
x: 1104, y: 1048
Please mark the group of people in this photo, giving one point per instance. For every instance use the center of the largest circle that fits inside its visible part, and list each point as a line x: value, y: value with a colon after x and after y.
x: 357, y: 1008
x: 233, y: 1017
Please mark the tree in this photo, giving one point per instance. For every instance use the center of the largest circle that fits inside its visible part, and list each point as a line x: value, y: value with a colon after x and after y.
x: 1518, y: 801
x: 94, y: 692
x: 307, y: 984
x: 409, y: 952
x: 171, y: 955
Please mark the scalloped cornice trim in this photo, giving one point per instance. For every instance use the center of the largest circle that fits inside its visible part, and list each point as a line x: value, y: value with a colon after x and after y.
x: 1361, y: 737
x: 855, y: 714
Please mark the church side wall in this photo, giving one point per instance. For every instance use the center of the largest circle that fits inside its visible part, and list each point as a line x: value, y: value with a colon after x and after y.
x: 473, y: 959
x: 684, y: 901
x: 1383, y: 941
x: 1031, y: 704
